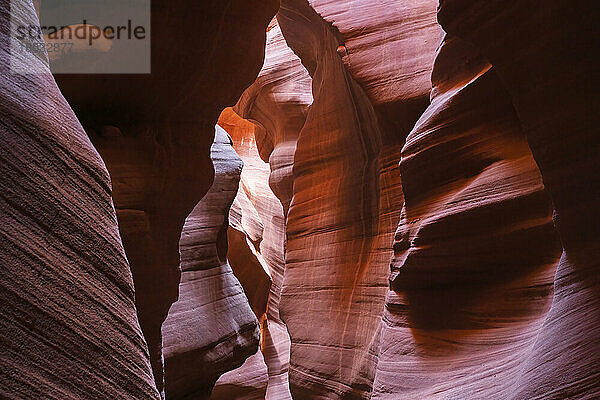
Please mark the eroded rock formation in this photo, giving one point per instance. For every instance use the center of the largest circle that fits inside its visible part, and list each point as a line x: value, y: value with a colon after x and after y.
x: 474, y: 308
x: 338, y: 238
x: 277, y: 104
x: 550, y: 79
x: 473, y: 168
x: 475, y: 251
x: 68, y: 326
x: 211, y: 329
x: 257, y: 244
x: 154, y: 133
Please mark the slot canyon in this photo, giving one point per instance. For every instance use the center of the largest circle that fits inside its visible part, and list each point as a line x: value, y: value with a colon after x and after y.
x: 306, y: 199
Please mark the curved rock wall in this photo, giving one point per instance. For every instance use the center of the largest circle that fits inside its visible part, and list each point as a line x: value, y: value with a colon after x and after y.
x: 154, y: 133
x: 476, y: 146
x: 345, y: 202
x: 332, y: 222
x: 68, y: 327
x: 474, y: 308
x: 327, y: 285
x: 197, y: 347
x: 475, y: 251
x: 388, y: 48
x: 544, y: 62
x: 258, y: 215
x: 277, y: 104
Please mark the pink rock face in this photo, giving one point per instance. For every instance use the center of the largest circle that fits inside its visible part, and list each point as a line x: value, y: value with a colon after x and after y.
x: 332, y: 228
x: 248, y: 382
x: 259, y: 214
x: 417, y: 216
x: 473, y: 286
x: 475, y: 252
x: 338, y: 240
x: 159, y: 159
x: 211, y: 329
x: 68, y: 326
x: 388, y: 48
x: 338, y: 237
x: 549, y: 79
x: 248, y: 237
x: 277, y: 104
x: 157, y: 180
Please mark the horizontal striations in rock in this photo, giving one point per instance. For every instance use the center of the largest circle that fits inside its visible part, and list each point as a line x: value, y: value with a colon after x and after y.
x: 475, y: 251
x: 211, y: 329
x: 546, y: 63
x: 340, y: 238
x: 340, y: 222
x: 388, y: 46
x: 68, y: 326
x: 277, y: 104
x: 455, y: 138
x: 263, y: 222
x: 549, y: 79
x: 203, y: 56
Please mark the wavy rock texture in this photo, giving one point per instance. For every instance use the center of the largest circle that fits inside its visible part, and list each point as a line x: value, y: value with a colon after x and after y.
x: 544, y: 62
x: 248, y: 382
x: 344, y: 205
x: 338, y: 237
x: 475, y: 251
x: 211, y: 329
x: 262, y: 221
x: 203, y: 56
x: 277, y: 104
x: 68, y: 327
x: 388, y: 48
x: 251, y: 240
x: 481, y: 156
x: 246, y: 242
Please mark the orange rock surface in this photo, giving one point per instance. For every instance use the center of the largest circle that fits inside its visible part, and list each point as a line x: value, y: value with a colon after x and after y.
x: 401, y: 203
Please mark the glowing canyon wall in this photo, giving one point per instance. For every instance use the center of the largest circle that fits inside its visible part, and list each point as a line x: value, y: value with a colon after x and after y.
x: 349, y: 200
x: 426, y: 130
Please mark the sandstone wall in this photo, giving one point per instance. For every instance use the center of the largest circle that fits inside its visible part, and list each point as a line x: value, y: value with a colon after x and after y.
x: 211, y: 328
x: 68, y: 326
x: 497, y: 175
x: 475, y: 251
x: 417, y: 216
x: 544, y: 62
x: 155, y: 131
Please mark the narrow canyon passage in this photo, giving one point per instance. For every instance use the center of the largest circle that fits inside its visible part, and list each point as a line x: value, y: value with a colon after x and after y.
x: 306, y: 199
